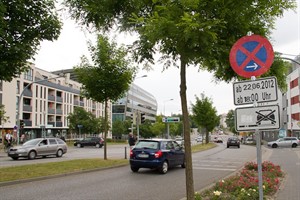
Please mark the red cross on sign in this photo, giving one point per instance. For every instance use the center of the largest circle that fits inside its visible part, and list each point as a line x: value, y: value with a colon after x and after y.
x: 251, y: 56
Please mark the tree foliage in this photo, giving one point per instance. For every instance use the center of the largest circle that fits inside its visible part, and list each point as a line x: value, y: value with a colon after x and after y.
x: 120, y: 128
x: 230, y: 121
x: 107, y: 78
x: 193, y: 32
x: 82, y: 117
x: 23, y: 25
x: 205, y: 115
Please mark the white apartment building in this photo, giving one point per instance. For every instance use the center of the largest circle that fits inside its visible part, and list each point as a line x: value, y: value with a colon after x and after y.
x: 46, y: 101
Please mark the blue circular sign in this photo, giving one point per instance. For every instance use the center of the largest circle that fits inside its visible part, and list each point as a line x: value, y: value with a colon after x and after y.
x: 251, y: 56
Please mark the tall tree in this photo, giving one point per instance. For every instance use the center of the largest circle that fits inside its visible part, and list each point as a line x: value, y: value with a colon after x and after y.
x: 23, y: 25
x: 192, y: 32
x: 107, y: 78
x: 230, y: 121
x: 205, y: 115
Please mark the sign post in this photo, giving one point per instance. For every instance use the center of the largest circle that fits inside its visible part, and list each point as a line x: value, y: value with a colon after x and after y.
x: 252, y: 56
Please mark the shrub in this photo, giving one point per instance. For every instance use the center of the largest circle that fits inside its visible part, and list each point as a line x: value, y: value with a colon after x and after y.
x: 244, y: 185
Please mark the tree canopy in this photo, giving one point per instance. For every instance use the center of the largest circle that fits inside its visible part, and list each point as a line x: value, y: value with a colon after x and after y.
x: 23, y: 25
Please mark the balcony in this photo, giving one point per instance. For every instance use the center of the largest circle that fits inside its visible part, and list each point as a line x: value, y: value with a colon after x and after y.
x: 59, y: 111
x: 51, y: 98
x: 51, y: 111
x: 59, y: 99
x: 58, y: 124
x: 81, y: 103
x: 27, y: 93
x: 51, y: 123
x: 27, y: 108
x: 27, y: 122
x: 76, y: 103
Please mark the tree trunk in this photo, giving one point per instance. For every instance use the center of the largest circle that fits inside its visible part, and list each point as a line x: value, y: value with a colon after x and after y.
x: 105, y: 129
x: 187, y: 138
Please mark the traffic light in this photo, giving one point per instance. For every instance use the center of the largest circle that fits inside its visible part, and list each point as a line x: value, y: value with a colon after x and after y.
x: 133, y: 118
x: 142, y: 118
x: 22, y: 123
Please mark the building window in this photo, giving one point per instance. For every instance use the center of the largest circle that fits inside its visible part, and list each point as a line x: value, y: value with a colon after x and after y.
x: 1, y: 85
x: 28, y: 75
x: 294, y: 83
x: 18, y: 87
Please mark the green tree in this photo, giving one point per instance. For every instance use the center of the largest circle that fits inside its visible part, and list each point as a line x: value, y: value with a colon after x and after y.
x: 23, y: 25
x: 108, y: 78
x: 230, y: 121
x: 205, y: 115
x: 145, y: 129
x: 120, y: 127
x: 158, y: 127
x: 192, y: 32
x: 82, y: 117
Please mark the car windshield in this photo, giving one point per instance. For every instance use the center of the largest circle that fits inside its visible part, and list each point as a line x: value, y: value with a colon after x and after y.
x: 31, y: 142
x: 147, y: 145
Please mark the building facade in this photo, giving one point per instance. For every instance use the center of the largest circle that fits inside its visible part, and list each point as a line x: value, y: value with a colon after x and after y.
x: 46, y: 99
x: 136, y: 101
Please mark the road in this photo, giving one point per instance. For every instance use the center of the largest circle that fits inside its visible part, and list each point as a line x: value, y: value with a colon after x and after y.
x: 120, y: 183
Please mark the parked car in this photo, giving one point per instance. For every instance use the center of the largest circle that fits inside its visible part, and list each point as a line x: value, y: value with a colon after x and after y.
x: 199, y: 139
x: 217, y: 140
x: 284, y: 142
x: 39, y: 147
x: 179, y: 140
x: 158, y: 154
x: 233, y: 141
x: 90, y: 141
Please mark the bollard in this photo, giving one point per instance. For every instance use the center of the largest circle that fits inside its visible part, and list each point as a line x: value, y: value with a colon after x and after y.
x: 125, y: 152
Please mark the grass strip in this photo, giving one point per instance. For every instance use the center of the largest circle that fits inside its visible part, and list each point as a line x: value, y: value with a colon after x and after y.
x: 55, y: 168
x: 202, y: 147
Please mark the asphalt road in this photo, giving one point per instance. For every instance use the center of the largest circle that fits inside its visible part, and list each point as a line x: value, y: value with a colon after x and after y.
x: 120, y: 183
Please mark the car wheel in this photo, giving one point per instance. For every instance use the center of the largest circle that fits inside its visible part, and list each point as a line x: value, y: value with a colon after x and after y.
x: 274, y: 146
x: 294, y: 145
x: 59, y: 153
x: 164, y: 168
x: 183, y: 164
x: 31, y: 155
x: 97, y: 145
x: 134, y: 169
x: 79, y: 145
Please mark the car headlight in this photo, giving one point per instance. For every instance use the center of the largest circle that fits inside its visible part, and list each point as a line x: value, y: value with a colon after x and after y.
x: 21, y: 150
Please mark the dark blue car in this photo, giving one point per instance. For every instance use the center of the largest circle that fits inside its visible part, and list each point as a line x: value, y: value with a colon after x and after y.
x: 158, y: 154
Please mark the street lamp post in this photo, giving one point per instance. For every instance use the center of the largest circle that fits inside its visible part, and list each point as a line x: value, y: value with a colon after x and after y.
x: 168, y: 126
x: 165, y: 105
x: 20, y: 99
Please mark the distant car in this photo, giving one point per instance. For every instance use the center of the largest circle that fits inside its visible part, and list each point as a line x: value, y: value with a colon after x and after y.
x: 180, y: 141
x: 217, y: 140
x: 249, y: 141
x: 233, y: 141
x: 199, y: 139
x: 158, y: 154
x: 284, y: 142
x: 97, y: 142
x: 39, y: 147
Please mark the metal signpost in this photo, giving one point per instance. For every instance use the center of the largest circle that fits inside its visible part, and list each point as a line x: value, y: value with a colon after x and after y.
x: 252, y: 56
x: 168, y: 120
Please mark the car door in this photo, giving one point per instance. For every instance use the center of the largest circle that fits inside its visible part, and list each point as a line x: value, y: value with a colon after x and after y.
x: 171, y: 154
x: 52, y: 146
x: 42, y: 148
x: 179, y: 154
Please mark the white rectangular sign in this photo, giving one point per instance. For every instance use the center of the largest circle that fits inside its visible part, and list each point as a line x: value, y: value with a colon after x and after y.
x: 260, y: 90
x: 257, y: 118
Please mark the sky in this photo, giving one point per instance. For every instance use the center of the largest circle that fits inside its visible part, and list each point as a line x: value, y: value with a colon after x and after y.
x: 65, y: 53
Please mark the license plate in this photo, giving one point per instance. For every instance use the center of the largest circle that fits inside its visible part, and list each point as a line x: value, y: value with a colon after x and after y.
x: 143, y: 156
